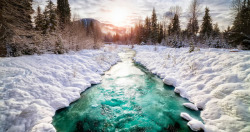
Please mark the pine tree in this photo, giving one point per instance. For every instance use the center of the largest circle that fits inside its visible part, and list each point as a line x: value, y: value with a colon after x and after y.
x: 154, y: 27
x: 39, y: 19
x: 176, y: 28
x: 63, y: 10
x: 206, y: 27
x: 50, y: 18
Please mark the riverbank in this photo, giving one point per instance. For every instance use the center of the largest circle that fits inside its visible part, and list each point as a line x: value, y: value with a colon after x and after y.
x: 215, y: 80
x: 34, y: 87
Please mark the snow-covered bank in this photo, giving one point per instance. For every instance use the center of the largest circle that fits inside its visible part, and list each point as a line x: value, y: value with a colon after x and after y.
x: 215, y: 80
x: 32, y: 88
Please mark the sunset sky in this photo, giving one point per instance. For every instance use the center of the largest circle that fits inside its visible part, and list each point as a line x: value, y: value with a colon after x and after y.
x: 126, y: 12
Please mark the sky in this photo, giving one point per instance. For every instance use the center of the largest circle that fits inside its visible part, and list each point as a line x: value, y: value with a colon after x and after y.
x: 125, y: 13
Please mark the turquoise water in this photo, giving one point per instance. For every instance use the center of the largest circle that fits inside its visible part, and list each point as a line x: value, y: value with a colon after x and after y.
x: 128, y: 99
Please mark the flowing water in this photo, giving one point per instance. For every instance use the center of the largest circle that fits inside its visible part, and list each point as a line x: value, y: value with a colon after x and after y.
x: 128, y: 99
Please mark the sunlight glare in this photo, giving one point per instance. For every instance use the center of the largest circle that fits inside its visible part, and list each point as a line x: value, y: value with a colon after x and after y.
x: 119, y: 16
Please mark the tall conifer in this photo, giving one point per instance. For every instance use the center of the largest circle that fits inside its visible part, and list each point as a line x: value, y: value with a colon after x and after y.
x: 63, y: 10
x: 154, y: 27
x: 39, y: 19
x: 206, y: 27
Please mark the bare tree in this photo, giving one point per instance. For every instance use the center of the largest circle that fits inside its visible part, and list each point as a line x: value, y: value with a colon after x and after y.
x: 175, y: 10
x: 236, y: 6
x: 194, y: 10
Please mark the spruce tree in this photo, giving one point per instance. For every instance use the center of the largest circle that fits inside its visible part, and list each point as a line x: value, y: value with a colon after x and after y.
x: 139, y: 33
x: 170, y: 29
x: 240, y: 32
x: 189, y: 28
x: 216, y: 30
x: 63, y: 10
x: 50, y: 18
x: 206, y: 27
x: 147, y: 31
x: 154, y: 27
x: 39, y: 19
x: 176, y: 28
x: 161, y: 33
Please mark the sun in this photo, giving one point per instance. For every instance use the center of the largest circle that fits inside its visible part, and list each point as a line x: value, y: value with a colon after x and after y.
x: 119, y: 16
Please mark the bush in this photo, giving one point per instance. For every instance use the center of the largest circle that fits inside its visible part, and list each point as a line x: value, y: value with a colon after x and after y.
x: 59, y: 48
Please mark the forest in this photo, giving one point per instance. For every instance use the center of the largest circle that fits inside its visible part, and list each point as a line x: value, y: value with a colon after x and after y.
x: 168, y: 32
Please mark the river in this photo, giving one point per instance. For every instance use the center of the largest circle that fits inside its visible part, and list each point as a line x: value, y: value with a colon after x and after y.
x: 129, y: 98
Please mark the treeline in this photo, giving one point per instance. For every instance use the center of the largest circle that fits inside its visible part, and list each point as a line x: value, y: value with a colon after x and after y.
x: 54, y: 29
x: 150, y: 32
x: 207, y: 35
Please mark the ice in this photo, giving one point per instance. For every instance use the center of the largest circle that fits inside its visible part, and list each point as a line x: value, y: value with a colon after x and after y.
x: 215, y: 80
x: 34, y: 87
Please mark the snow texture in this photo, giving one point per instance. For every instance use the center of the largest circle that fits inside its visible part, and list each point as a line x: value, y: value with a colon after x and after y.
x: 215, y: 80
x: 32, y: 88
x: 194, y: 124
x: 191, y: 106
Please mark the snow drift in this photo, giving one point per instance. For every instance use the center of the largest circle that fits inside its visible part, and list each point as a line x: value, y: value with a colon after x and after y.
x: 215, y: 80
x: 32, y: 88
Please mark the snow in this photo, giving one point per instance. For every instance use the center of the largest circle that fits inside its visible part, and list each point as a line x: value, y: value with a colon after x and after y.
x: 194, y: 124
x: 32, y: 88
x: 215, y: 80
x: 191, y: 106
x: 186, y: 116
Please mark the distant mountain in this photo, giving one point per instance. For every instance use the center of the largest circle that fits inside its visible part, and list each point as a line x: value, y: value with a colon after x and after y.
x: 87, y: 21
x: 106, y: 28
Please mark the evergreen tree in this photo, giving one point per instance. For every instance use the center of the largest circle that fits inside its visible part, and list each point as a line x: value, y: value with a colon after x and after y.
x: 131, y: 37
x: 189, y: 28
x: 147, y: 31
x: 116, y: 37
x: 226, y: 34
x: 240, y: 32
x: 176, y: 28
x: 170, y: 29
x: 193, y: 27
x: 39, y: 19
x: 161, y: 33
x: 63, y: 10
x: 139, y: 29
x: 216, y: 30
x: 206, y: 27
x: 50, y: 18
x: 154, y: 27
x: 15, y: 21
